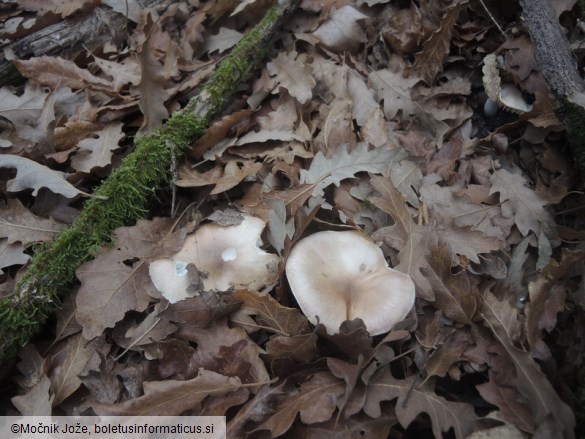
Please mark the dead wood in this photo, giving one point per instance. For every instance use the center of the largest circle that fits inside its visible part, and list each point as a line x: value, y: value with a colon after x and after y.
x: 67, y: 38
x: 559, y: 69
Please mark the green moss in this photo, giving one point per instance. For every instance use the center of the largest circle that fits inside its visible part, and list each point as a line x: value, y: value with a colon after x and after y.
x: 128, y: 190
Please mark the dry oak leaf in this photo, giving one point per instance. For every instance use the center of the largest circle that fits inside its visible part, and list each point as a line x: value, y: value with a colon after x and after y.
x: 31, y: 175
x: 300, y: 348
x: 269, y: 314
x: 171, y: 397
x: 315, y: 401
x: 521, y: 202
x: 25, y: 109
x: 257, y: 409
x: 58, y: 72
x: 74, y: 356
x: 104, y: 384
x: 127, y: 71
x: 341, y: 32
x: 343, y: 164
x: 131, y: 9
x: 469, y: 243
x: 12, y: 254
x: 460, y: 211
x: 435, y: 49
x: 448, y: 354
x: 533, y: 383
x: 153, y: 328
x: 37, y: 401
x: 224, y: 178
x: 19, y: 224
x: 414, y: 399
x: 227, y: 351
x: 97, y: 152
x: 502, y: 315
x: 547, y: 299
x: 292, y: 71
x: 59, y: 7
x: 116, y: 280
x: 412, y: 240
x: 153, y: 94
x: 395, y: 90
x: 512, y: 408
x: 225, y: 39
x: 363, y: 103
x: 455, y: 294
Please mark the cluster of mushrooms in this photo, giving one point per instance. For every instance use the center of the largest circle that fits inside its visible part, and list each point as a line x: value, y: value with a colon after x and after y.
x: 334, y: 276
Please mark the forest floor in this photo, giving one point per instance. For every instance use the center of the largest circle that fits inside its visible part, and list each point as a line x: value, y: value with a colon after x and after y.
x: 368, y: 115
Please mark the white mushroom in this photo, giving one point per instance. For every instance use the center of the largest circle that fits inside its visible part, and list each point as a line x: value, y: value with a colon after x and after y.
x: 338, y: 276
x: 226, y: 256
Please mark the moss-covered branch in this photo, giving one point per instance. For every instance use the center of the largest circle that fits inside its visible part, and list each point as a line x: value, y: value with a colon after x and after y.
x: 128, y: 190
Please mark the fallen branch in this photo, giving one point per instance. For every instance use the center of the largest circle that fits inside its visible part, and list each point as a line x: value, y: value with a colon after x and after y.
x: 559, y: 69
x: 67, y: 38
x: 128, y: 190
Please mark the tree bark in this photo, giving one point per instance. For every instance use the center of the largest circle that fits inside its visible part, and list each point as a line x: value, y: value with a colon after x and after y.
x: 128, y: 190
x: 559, y: 69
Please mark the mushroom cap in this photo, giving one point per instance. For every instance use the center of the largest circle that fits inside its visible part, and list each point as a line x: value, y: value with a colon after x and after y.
x: 338, y: 276
x: 230, y: 256
x: 170, y: 278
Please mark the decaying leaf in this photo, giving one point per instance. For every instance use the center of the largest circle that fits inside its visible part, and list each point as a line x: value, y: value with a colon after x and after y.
x: 456, y: 295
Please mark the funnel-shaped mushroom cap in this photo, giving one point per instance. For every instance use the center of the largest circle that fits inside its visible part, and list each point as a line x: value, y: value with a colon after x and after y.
x: 338, y: 276
x: 229, y: 256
